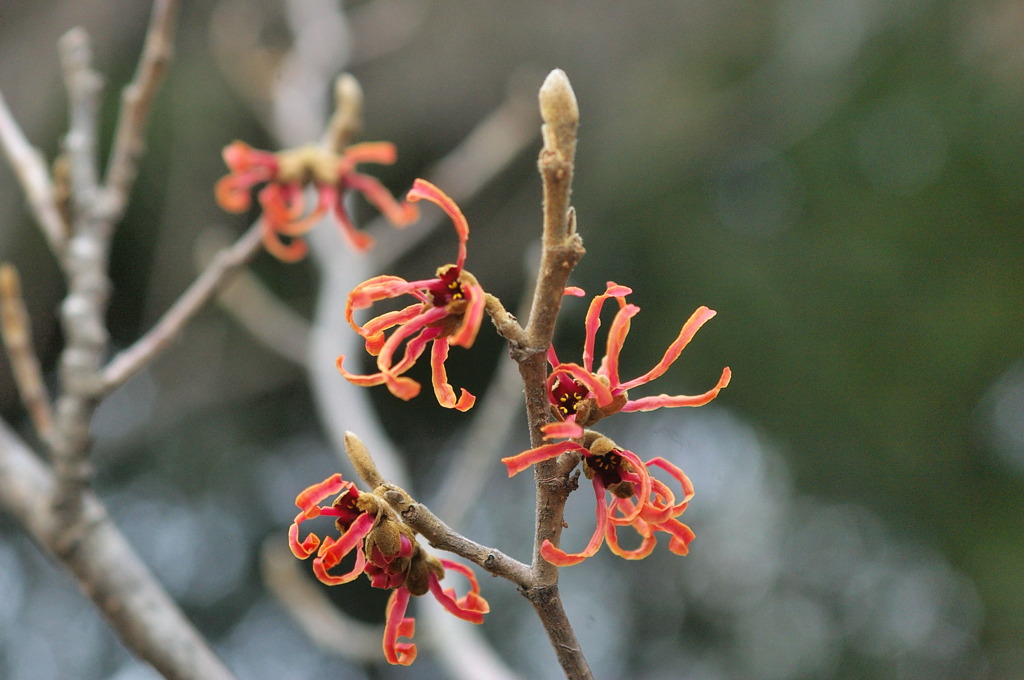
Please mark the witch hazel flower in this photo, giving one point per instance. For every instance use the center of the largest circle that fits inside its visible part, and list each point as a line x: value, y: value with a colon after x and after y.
x: 582, y: 394
x: 627, y: 496
x: 286, y: 175
x: 447, y: 312
x: 386, y: 551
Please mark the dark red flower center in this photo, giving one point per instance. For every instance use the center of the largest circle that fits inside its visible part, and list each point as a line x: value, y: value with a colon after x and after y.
x: 566, y: 395
x: 345, y: 509
x: 607, y: 467
x: 447, y: 289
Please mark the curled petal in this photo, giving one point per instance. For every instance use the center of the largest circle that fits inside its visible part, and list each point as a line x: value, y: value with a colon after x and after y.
x: 377, y: 288
x: 283, y: 205
x: 677, y: 474
x: 232, y: 192
x: 593, y: 320
x: 616, y: 339
x: 666, y: 401
x: 288, y: 252
x: 359, y: 240
x: 308, y: 503
x: 681, y: 535
x: 399, y: 214
x: 521, y: 461
x: 373, y: 330
x: 422, y: 189
x: 240, y: 157
x: 645, y: 481
x: 304, y: 548
x: 439, y: 377
x: 598, y: 390
x: 381, y: 153
x: 646, y: 545
x: 309, y: 498
x: 574, y: 291
x: 559, y: 557
x: 332, y: 552
x: 472, y: 316
x: 398, y: 625
x: 470, y: 607
x: 566, y: 429
x: 701, y: 316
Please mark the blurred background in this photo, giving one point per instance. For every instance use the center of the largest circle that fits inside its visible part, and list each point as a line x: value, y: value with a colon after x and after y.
x: 840, y: 179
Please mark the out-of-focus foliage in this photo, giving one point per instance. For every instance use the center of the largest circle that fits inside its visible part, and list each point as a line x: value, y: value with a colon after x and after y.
x: 843, y: 180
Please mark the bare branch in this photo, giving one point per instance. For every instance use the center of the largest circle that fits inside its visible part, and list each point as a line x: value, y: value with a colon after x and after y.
x: 84, y: 263
x: 17, y: 336
x: 443, y: 537
x: 254, y: 306
x: 562, y: 249
x: 229, y: 261
x: 103, y: 563
x: 30, y: 168
x: 84, y: 86
x: 136, y: 101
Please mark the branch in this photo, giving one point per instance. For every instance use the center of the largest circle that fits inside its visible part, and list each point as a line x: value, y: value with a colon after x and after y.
x: 443, y: 537
x: 84, y: 263
x: 30, y: 168
x: 104, y: 564
x: 561, y: 251
x: 226, y: 263
x: 136, y: 101
x: 17, y: 336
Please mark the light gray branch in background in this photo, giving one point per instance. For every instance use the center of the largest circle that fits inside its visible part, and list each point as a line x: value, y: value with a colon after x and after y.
x: 30, y: 168
x: 342, y: 405
x: 136, y: 102
x: 306, y: 600
x: 104, y: 564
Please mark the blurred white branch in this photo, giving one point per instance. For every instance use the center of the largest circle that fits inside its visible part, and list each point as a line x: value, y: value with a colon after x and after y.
x: 105, y: 565
x: 307, y: 602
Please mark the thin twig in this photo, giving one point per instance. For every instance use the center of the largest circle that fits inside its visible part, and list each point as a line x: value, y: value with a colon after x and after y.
x: 443, y: 537
x: 136, y: 102
x: 30, y: 168
x: 104, y: 563
x: 227, y: 262
x: 562, y: 249
x: 16, y: 329
x: 254, y: 306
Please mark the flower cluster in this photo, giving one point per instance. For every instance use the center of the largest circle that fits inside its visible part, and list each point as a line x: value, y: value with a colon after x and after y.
x: 447, y: 311
x: 286, y: 175
x: 638, y: 500
x: 581, y: 395
x: 386, y: 551
x: 647, y: 497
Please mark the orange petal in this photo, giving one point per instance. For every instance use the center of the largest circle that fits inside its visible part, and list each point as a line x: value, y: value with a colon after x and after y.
x: 398, y: 625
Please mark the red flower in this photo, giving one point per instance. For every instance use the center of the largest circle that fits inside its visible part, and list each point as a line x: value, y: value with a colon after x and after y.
x: 638, y: 499
x: 387, y: 552
x: 286, y: 174
x: 448, y: 311
x: 582, y: 395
